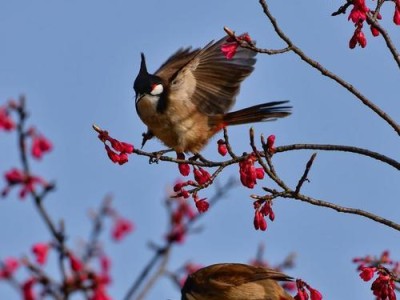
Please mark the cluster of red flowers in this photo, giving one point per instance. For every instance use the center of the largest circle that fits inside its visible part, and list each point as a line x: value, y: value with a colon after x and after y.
x: 263, y: 208
x: 40, y: 144
x: 118, y: 152
x: 229, y: 48
x: 179, y: 188
x: 79, y: 276
x: 121, y: 226
x: 383, y: 287
x: 180, y: 216
x: 28, y: 182
x: 358, y: 15
x: 249, y: 173
x: 201, y: 176
x: 305, y: 291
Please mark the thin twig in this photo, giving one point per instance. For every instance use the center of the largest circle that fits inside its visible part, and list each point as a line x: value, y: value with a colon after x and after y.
x: 338, y: 208
x: 342, y: 9
x: 153, y: 279
x: 38, y: 198
x: 342, y: 148
x: 252, y: 46
x: 304, y: 178
x: 228, y: 144
x: 96, y: 230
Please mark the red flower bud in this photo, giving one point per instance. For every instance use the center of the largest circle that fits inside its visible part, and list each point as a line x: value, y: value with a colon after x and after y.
x: 202, y: 205
x: 222, y: 149
x: 396, y: 16
x: 184, y: 169
x: 374, y: 30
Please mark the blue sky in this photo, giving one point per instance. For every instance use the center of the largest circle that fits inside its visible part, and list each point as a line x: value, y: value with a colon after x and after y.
x: 76, y: 61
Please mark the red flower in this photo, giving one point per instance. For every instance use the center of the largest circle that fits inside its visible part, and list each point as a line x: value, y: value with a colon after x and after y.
x: 201, y: 176
x: 302, y: 293
x: 184, y: 168
x: 222, y: 149
x: 9, y: 266
x: 358, y: 38
x: 202, y: 205
x: 183, y: 210
x: 40, y: 250
x: 367, y: 273
x: 121, y: 228
x: 359, y: 11
x: 28, y: 183
x: 270, y: 144
x: 177, y: 234
x: 118, y: 152
x: 100, y: 293
x: 229, y: 48
x: 259, y: 221
x: 259, y: 173
x: 40, y: 146
x: 6, y: 122
x: 14, y: 176
x: 374, y: 30
x: 27, y: 289
x: 75, y: 263
x: 315, y: 295
x: 396, y: 16
x: 248, y: 173
x: 383, y: 287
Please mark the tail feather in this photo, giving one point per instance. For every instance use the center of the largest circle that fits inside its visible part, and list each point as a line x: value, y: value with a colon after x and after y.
x: 259, y: 113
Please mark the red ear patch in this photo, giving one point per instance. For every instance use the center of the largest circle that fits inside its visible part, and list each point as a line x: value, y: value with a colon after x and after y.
x: 156, y: 89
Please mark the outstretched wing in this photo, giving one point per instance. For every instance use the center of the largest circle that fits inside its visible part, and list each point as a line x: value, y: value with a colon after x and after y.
x: 206, y: 77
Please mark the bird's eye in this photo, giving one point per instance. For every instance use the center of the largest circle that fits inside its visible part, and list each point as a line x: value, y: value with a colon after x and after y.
x: 156, y: 89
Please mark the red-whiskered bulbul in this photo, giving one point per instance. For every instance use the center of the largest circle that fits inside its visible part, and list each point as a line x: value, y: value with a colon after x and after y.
x: 235, y: 282
x: 186, y: 101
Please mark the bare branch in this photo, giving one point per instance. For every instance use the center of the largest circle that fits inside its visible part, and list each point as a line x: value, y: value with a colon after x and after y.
x: 367, y: 102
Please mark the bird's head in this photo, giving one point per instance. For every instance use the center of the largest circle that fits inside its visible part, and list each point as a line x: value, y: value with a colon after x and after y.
x: 145, y: 83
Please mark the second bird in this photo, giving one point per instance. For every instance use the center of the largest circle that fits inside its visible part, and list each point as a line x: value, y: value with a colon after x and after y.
x: 186, y: 101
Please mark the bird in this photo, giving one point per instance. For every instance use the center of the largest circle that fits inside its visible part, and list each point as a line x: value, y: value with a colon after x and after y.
x: 188, y: 99
x: 234, y: 281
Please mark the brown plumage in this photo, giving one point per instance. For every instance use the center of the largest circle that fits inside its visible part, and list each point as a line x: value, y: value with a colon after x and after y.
x: 188, y: 98
x: 235, y: 282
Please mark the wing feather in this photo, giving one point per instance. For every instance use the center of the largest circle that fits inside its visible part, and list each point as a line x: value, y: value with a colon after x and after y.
x: 215, y: 79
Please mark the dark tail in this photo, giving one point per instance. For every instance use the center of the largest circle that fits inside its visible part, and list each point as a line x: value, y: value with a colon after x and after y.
x: 259, y: 113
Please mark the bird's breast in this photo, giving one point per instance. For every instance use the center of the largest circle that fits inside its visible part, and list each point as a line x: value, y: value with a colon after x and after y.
x: 181, y: 126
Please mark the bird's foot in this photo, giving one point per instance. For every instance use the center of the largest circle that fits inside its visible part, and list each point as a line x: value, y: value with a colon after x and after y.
x: 155, y: 158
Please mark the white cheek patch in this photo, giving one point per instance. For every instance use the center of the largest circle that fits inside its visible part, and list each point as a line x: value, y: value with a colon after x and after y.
x: 157, y: 90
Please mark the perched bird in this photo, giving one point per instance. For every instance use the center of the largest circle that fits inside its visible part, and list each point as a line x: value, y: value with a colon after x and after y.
x: 186, y: 101
x: 235, y: 282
